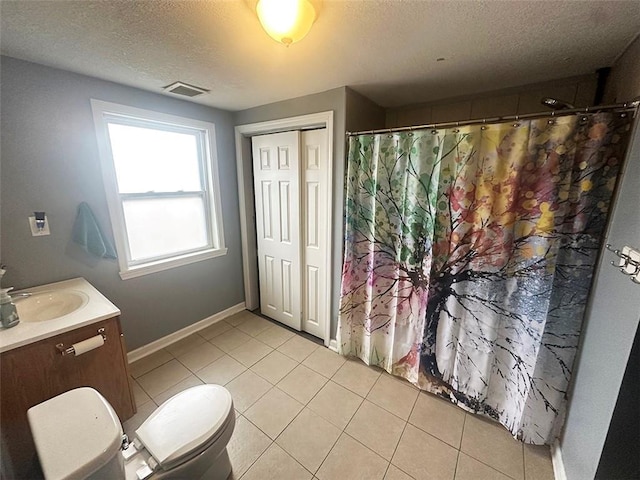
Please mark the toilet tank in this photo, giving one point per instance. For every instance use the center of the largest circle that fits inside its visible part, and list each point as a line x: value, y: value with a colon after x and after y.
x: 77, y: 435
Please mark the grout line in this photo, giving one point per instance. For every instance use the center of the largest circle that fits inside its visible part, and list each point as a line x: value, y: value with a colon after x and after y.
x: 369, y: 448
x: 373, y: 368
x: 299, y: 413
x: 262, y: 453
x: 353, y: 415
x: 489, y: 466
x: 156, y: 367
x: 524, y: 469
x: 468, y: 414
x: 305, y: 335
x: 396, y: 449
x: 389, y: 411
x: 330, y: 448
x: 455, y: 469
x: 464, y: 422
x: 292, y: 457
x: 401, y: 435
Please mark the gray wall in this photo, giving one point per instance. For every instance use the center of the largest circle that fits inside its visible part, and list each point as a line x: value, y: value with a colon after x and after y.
x: 624, y: 82
x: 362, y: 113
x: 50, y: 162
x: 579, y: 91
x: 611, y: 321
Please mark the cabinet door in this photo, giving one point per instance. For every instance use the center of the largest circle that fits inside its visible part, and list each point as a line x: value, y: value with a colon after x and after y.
x: 34, y: 373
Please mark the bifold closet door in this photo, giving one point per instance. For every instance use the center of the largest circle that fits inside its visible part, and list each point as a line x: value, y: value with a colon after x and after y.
x: 276, y: 174
x: 315, y: 205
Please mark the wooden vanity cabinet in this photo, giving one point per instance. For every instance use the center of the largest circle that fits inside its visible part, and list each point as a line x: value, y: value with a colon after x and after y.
x: 36, y: 372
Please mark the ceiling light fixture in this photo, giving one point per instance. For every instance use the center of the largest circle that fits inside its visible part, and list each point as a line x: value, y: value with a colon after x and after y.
x: 286, y: 21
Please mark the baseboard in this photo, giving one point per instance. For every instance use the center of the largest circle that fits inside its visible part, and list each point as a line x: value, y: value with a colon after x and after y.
x: 558, y: 465
x: 159, y: 344
x: 333, y: 345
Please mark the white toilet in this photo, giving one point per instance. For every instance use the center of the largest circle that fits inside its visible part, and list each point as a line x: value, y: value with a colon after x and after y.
x: 79, y: 436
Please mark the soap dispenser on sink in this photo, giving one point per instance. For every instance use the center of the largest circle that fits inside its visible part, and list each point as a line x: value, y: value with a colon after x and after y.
x: 8, y: 312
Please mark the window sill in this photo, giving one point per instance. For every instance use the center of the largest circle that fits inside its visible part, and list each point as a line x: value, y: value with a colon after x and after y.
x: 159, y: 266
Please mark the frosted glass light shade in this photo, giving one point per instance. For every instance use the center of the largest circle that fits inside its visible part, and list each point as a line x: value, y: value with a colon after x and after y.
x: 286, y: 21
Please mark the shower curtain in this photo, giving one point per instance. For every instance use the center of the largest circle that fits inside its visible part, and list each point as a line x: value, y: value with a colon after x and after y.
x: 469, y: 254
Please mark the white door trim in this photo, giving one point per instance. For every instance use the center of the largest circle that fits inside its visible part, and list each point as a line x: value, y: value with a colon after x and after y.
x: 243, y: 134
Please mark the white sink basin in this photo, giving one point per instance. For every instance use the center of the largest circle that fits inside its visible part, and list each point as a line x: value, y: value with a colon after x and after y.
x: 54, y: 309
x: 43, y: 306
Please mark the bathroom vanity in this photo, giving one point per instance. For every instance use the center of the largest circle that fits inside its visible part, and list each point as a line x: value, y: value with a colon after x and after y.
x: 38, y: 363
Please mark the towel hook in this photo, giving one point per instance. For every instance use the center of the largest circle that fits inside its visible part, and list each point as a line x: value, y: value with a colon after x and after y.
x: 629, y: 262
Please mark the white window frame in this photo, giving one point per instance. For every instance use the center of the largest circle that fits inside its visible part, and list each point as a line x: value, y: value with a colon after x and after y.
x: 105, y: 111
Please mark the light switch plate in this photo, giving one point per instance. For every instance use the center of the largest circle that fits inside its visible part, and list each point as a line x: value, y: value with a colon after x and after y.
x: 34, y: 230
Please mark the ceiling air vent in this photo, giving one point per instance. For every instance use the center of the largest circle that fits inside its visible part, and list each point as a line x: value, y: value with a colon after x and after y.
x: 180, y: 88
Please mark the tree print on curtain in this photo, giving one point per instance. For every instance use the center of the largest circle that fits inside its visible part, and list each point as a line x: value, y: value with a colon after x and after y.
x: 469, y: 254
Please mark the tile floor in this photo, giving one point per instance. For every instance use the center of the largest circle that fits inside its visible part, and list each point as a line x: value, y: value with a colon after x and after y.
x: 304, y: 412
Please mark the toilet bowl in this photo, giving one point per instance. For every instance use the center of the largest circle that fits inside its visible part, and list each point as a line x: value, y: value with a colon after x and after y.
x: 79, y: 436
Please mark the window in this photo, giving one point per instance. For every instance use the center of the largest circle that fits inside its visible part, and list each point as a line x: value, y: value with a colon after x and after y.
x: 162, y: 187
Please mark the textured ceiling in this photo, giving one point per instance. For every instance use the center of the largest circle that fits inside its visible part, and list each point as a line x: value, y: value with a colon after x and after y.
x: 386, y: 50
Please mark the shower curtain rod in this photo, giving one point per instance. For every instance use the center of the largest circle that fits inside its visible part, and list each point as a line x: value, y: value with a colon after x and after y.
x: 628, y: 106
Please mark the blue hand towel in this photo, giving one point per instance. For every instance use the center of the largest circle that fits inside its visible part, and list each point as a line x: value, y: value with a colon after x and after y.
x: 88, y: 234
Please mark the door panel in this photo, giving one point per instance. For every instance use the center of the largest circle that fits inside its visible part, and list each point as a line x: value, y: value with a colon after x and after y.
x: 276, y: 181
x: 267, y: 222
x: 285, y: 213
x: 269, y: 283
x: 315, y: 251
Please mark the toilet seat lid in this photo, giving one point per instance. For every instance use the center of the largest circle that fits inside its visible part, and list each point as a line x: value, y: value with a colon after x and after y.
x: 185, y: 423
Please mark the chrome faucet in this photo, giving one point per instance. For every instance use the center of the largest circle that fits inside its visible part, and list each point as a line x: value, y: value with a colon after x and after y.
x: 8, y: 312
x: 19, y: 296
x: 14, y: 296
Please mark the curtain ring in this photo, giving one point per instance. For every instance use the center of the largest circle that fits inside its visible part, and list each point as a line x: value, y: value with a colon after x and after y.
x: 434, y: 131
